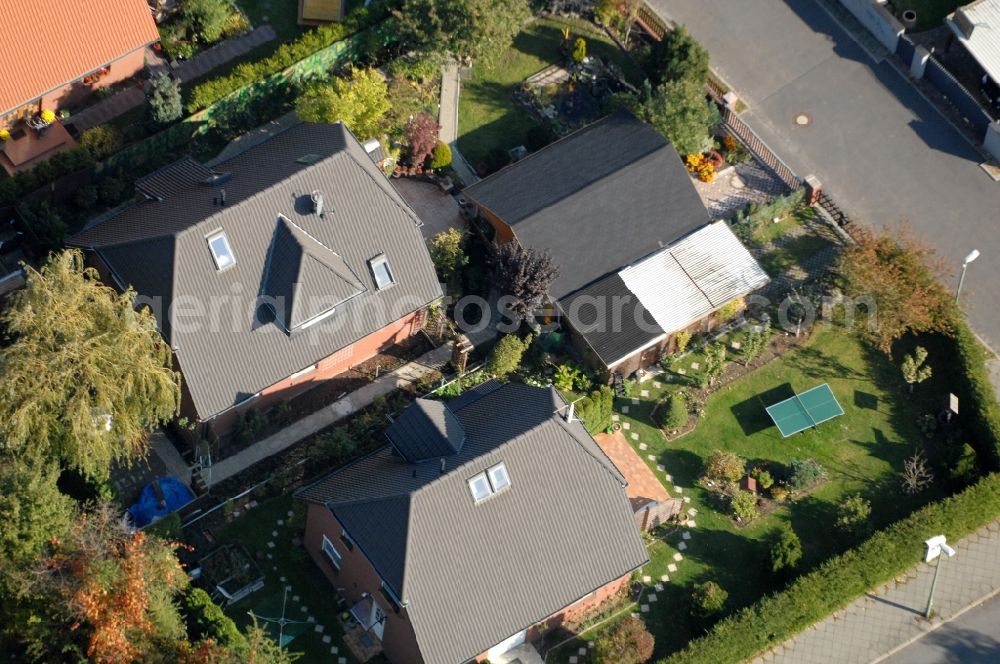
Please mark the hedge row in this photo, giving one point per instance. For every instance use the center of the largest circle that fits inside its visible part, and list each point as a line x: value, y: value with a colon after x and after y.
x: 978, y: 406
x: 595, y: 410
x: 58, y: 165
x: 842, y: 579
x: 211, y: 91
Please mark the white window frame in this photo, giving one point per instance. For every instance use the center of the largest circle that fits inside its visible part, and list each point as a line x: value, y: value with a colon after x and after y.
x: 500, y: 467
x: 486, y: 483
x: 334, y: 556
x: 381, y: 259
x: 221, y: 235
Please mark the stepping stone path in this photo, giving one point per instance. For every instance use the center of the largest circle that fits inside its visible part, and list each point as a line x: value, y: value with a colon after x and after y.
x: 678, y: 489
x: 615, y: 418
x: 691, y: 523
x: 626, y: 426
x: 687, y: 499
x: 682, y: 372
x: 334, y: 650
x: 341, y: 660
x: 573, y: 659
x: 270, y: 545
x: 644, y: 393
x: 682, y: 546
x: 660, y: 468
x: 735, y: 345
x: 326, y: 638
x: 274, y: 533
x: 295, y: 598
x: 647, y: 579
x: 670, y: 478
x: 659, y: 587
x: 671, y: 568
x: 665, y: 578
x: 651, y: 457
x: 311, y: 619
x: 695, y: 366
x: 625, y: 411
x: 304, y: 608
x: 686, y: 535
x: 651, y: 597
x: 644, y: 608
x: 635, y: 436
x: 656, y: 385
x: 291, y: 513
x: 678, y: 557
x: 283, y: 579
x: 635, y: 402
x: 582, y: 650
x: 642, y: 446
x: 318, y: 628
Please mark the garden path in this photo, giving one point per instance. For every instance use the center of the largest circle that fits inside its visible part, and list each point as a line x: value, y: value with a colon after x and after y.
x: 408, y: 373
x: 451, y: 85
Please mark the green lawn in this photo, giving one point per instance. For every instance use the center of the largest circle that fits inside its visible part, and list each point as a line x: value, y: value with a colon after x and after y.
x: 254, y: 530
x: 282, y: 16
x: 861, y: 451
x: 930, y: 13
x: 793, y: 252
x: 487, y: 115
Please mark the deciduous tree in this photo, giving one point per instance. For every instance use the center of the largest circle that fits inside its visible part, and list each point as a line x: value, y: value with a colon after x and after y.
x: 86, y: 374
x: 913, y: 368
x: 680, y: 111
x: 361, y: 101
x: 523, y: 274
x: 421, y: 134
x: 448, y: 253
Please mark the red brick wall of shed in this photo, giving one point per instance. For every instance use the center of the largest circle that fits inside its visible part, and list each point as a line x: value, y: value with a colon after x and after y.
x: 357, y: 576
x: 123, y: 68
x: 326, y: 368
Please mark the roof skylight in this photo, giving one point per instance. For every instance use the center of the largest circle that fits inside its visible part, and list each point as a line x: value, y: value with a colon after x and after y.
x: 381, y: 271
x: 480, y: 488
x: 221, y: 251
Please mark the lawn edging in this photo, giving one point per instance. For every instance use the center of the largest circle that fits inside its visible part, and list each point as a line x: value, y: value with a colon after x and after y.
x: 842, y: 579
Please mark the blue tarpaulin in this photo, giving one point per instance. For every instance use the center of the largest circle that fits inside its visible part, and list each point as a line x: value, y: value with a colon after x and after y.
x: 158, y: 499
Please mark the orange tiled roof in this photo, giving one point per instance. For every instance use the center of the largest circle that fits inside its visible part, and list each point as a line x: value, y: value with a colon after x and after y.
x: 44, y: 45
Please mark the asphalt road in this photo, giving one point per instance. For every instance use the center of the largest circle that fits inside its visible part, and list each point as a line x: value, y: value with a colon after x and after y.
x: 884, y: 152
x: 974, y: 638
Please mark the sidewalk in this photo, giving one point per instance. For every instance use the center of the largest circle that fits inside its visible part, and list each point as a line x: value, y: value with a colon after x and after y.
x: 451, y: 85
x: 353, y: 402
x: 890, y: 617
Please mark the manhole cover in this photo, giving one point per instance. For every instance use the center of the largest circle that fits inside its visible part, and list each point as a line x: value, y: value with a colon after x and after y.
x: 736, y: 182
x: 802, y: 119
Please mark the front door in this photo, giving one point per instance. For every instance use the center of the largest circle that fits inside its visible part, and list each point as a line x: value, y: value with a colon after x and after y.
x: 377, y: 620
x: 506, y: 645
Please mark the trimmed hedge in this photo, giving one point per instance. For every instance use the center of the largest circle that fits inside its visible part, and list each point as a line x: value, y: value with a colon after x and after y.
x: 595, y: 410
x: 58, y: 165
x: 211, y: 91
x: 842, y: 579
x: 978, y: 405
x: 206, y: 620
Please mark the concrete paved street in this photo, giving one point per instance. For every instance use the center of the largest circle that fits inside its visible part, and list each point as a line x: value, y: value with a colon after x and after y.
x: 974, y: 638
x: 881, y: 149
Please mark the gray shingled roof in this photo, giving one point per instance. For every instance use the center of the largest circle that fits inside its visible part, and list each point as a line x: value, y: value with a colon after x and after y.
x: 472, y: 574
x: 427, y: 429
x: 232, y: 353
x: 598, y: 199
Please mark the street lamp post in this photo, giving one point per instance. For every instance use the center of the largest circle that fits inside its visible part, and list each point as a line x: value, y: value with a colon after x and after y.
x: 973, y: 255
x: 935, y: 547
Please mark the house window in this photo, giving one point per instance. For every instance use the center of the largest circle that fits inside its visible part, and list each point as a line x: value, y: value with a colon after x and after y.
x: 346, y: 539
x: 499, y: 478
x: 331, y: 552
x: 480, y: 487
x: 221, y: 251
x: 381, y: 271
x: 390, y: 597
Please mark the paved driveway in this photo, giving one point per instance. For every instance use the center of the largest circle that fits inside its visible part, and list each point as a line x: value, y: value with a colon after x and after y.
x: 884, y: 152
x: 971, y: 639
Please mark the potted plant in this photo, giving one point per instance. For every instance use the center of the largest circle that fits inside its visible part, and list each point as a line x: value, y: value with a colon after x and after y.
x: 4, y: 135
x: 47, y: 116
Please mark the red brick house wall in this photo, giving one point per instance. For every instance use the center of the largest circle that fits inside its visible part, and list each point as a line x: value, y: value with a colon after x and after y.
x: 121, y: 69
x: 355, y: 577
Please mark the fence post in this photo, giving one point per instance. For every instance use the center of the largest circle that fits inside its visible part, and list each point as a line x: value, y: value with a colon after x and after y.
x: 919, y: 63
x: 813, y: 189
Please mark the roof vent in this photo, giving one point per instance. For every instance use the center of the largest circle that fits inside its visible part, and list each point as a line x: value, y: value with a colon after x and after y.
x: 317, y: 201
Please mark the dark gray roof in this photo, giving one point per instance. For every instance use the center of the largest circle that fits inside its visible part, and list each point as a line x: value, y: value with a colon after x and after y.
x: 226, y: 352
x: 598, y: 199
x: 591, y: 312
x: 473, y: 574
x: 427, y: 429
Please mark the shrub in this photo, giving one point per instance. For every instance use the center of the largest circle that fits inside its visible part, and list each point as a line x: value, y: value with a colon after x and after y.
x: 963, y: 465
x: 205, y: 620
x: 680, y: 56
x: 168, y: 528
x: 85, y: 198
x: 45, y: 222
x: 853, y: 513
x: 764, y: 479
x: 441, y: 157
x: 595, y: 410
x: 421, y: 134
x: 207, y: 17
x: 725, y: 466
x: 565, y: 376
x: 804, y: 473
x: 361, y: 101
x: 60, y: 164
x: 579, y: 49
x: 102, y: 141
x: 744, y: 506
x: 448, y: 253
x: 708, y: 599
x: 971, y: 383
x: 165, y: 99
x: 841, y: 579
x: 784, y: 548
x: 626, y: 642
x: 249, y: 425
x: 672, y: 412
x: 731, y: 309
x: 779, y: 493
x: 334, y: 446
x: 110, y: 191
x: 683, y: 338
x: 506, y: 356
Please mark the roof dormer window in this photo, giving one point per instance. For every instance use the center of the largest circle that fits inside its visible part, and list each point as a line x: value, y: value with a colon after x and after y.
x: 218, y: 243
x: 499, y: 479
x: 381, y: 271
x: 480, y: 488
